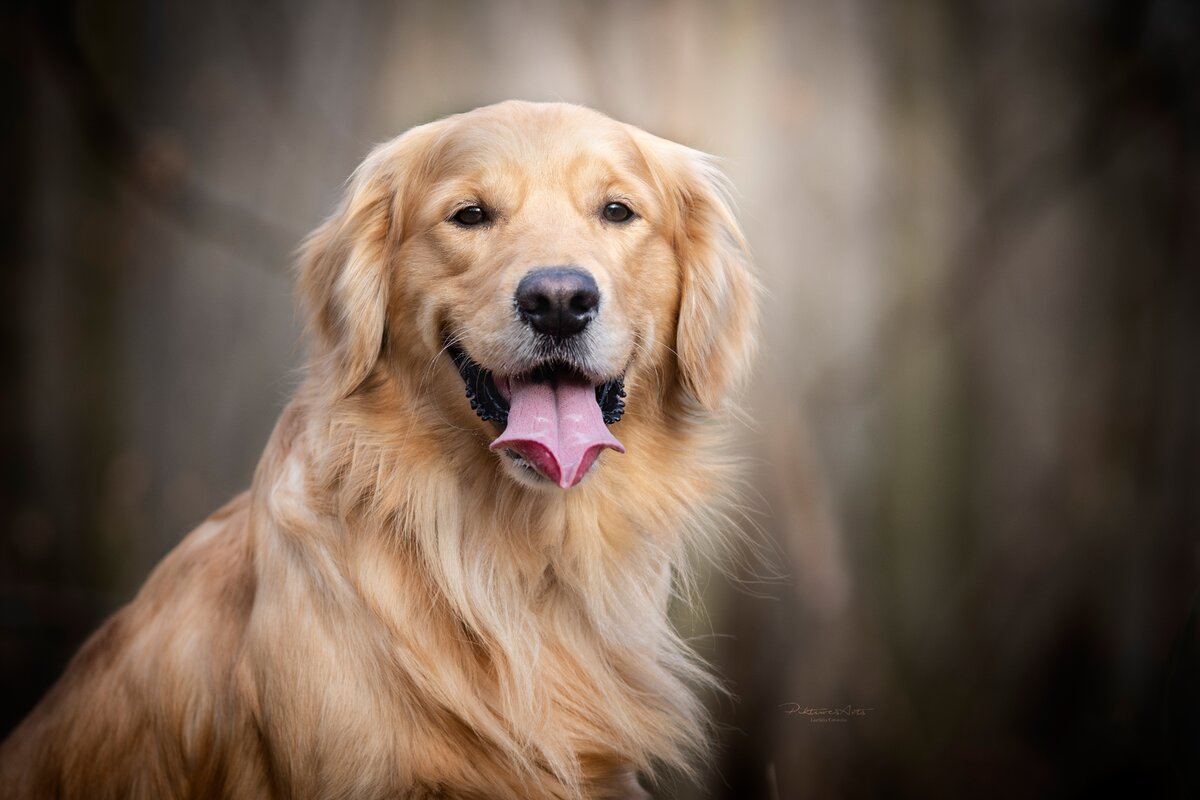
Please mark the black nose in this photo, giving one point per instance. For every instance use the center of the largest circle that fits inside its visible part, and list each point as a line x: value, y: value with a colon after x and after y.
x: 558, y: 301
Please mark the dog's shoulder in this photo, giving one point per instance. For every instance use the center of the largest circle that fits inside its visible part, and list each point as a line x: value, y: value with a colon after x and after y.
x: 158, y: 676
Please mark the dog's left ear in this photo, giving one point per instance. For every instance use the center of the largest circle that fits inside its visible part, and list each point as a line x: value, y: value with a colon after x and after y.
x: 717, y: 332
x: 347, y: 264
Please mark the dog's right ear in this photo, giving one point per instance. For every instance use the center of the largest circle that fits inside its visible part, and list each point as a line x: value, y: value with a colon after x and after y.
x: 347, y: 264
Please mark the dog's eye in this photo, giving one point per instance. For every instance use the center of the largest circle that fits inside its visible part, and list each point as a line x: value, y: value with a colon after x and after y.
x: 471, y: 215
x: 617, y: 212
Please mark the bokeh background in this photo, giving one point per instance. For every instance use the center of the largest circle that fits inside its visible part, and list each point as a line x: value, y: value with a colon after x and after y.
x: 976, y: 435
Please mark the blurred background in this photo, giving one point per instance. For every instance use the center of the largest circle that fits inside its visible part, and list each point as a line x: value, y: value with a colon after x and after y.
x: 976, y: 442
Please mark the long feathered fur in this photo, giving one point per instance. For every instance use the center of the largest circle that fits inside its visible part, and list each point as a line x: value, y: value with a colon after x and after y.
x: 386, y: 613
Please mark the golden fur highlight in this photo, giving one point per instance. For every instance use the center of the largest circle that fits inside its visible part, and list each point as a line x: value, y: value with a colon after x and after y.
x: 387, y: 612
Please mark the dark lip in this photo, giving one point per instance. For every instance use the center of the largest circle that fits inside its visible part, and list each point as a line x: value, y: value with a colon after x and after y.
x: 485, y: 397
x: 489, y: 404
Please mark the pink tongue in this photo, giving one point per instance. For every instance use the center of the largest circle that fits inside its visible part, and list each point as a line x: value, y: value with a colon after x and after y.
x: 556, y: 426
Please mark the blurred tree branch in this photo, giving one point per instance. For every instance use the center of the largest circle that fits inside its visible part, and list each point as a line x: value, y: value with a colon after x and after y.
x: 139, y: 162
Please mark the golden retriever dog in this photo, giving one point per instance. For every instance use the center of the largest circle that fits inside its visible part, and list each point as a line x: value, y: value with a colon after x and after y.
x: 450, y: 575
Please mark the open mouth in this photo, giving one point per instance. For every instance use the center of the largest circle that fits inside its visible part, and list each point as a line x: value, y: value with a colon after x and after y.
x: 554, y: 418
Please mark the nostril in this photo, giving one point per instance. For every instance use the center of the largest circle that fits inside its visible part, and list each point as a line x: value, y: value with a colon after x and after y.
x: 533, y: 302
x: 584, y: 301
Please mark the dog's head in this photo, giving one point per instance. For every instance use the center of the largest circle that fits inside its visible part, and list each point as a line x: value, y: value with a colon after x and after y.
x: 538, y: 273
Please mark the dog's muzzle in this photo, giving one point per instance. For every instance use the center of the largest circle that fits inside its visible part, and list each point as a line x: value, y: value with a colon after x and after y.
x: 553, y: 418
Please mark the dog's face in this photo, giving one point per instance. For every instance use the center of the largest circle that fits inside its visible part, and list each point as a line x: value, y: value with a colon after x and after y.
x: 530, y: 269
